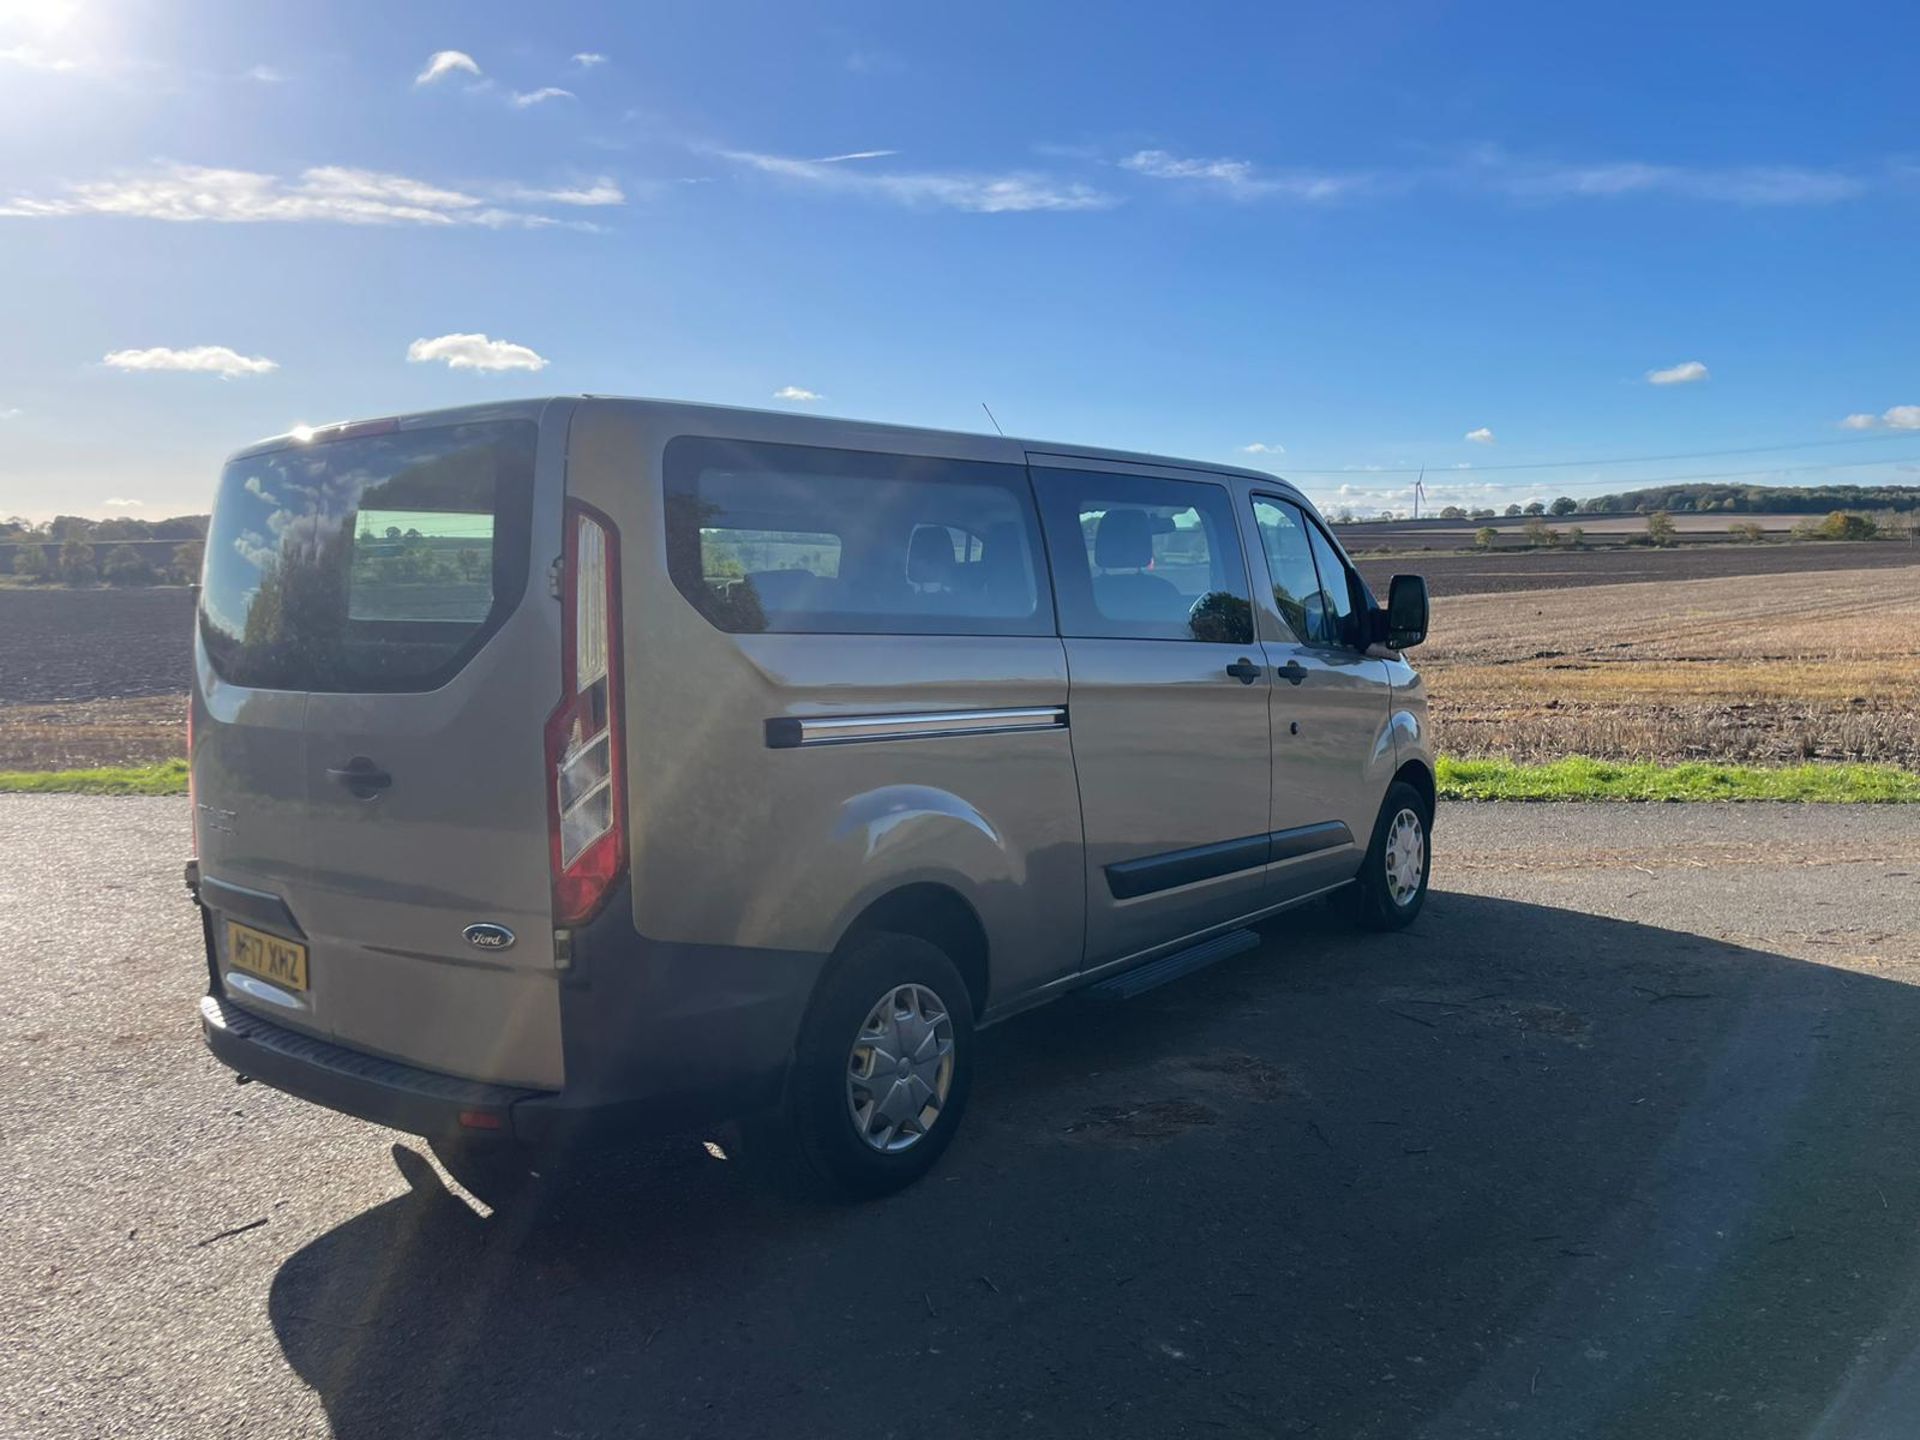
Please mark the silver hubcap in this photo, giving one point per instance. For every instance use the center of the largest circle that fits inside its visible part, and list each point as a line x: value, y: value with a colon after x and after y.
x: 900, y: 1068
x: 1406, y: 857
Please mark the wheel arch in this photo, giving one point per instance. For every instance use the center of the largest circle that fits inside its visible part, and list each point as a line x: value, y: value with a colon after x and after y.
x: 939, y: 915
x: 1416, y: 774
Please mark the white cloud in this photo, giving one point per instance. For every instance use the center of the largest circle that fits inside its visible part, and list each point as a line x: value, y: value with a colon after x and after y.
x: 982, y: 194
x: 266, y: 75
x: 854, y: 155
x: 601, y: 191
x: 1688, y: 372
x: 476, y: 352
x: 523, y: 99
x: 1482, y: 436
x: 587, y: 59
x: 1744, y: 185
x: 330, y: 193
x: 199, y: 360
x: 796, y: 394
x: 1860, y: 422
x: 11, y: 412
x: 31, y: 57
x: 117, y: 503
x: 1261, y: 447
x: 442, y: 63
x: 1492, y: 168
x: 1241, y: 179
x: 1903, y: 417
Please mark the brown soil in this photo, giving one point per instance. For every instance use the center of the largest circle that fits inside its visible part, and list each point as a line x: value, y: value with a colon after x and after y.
x: 1819, y: 666
x: 1475, y: 574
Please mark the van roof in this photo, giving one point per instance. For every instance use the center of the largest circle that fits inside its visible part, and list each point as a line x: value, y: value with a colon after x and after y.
x: 530, y: 408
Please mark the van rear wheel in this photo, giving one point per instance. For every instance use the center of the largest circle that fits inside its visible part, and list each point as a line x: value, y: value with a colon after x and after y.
x: 883, y: 1068
x: 1393, y: 879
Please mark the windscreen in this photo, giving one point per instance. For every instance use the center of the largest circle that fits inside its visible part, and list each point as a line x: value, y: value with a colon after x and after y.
x: 379, y: 562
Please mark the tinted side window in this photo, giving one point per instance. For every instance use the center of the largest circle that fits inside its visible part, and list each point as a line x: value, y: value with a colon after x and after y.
x: 1336, y: 585
x: 1296, y: 580
x: 800, y: 539
x: 1141, y: 558
x: 379, y: 562
x: 1311, y: 588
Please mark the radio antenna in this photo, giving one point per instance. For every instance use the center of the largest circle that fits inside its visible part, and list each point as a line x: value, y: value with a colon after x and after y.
x: 996, y: 423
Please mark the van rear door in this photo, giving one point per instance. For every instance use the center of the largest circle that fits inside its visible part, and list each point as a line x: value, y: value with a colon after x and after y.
x: 394, y: 578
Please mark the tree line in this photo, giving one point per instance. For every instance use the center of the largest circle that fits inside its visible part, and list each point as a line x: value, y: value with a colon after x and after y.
x: 74, y: 550
x: 1709, y: 499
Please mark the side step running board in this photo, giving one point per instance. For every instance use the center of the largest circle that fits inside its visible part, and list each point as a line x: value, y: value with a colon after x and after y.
x: 1155, y: 973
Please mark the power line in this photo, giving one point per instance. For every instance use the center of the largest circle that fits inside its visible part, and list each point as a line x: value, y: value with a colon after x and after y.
x: 1632, y: 459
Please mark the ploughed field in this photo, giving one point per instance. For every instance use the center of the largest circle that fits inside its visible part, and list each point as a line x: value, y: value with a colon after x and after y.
x: 1736, y: 652
x: 1813, y: 666
x: 1451, y: 572
x: 93, y: 677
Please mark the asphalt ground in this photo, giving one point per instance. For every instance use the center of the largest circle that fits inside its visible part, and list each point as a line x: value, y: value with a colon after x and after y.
x: 1619, y: 1139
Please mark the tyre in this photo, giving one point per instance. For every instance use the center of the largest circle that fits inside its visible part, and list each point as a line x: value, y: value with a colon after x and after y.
x: 882, y: 1070
x: 1393, y: 879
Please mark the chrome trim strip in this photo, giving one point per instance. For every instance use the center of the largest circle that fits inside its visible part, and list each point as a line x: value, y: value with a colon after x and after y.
x: 791, y: 732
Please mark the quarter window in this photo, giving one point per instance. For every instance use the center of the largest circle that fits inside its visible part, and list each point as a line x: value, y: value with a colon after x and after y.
x: 1312, y: 586
x: 1142, y: 558
x: 793, y: 538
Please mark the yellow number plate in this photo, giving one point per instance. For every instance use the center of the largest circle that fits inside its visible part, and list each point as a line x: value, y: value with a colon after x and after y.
x: 284, y: 962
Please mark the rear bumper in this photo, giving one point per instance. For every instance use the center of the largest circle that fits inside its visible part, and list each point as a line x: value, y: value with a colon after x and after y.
x: 655, y: 1035
x: 386, y: 1092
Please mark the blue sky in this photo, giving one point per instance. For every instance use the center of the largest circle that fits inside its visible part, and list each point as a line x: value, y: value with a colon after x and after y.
x: 1354, y: 234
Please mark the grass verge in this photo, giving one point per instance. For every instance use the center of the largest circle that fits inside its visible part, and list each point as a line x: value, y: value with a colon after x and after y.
x: 1579, y: 778
x: 169, y: 777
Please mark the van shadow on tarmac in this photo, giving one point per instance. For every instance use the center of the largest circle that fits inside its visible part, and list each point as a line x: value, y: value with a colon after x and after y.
x: 1520, y: 1171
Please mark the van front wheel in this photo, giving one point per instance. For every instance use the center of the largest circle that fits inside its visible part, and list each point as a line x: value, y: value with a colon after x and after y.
x: 1393, y: 878
x: 883, y: 1067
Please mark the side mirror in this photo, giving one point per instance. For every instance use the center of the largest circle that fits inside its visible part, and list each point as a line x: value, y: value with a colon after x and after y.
x: 1407, y: 610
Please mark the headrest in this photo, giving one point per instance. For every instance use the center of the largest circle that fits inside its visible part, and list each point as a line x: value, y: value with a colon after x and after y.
x: 930, y: 556
x: 1123, y: 541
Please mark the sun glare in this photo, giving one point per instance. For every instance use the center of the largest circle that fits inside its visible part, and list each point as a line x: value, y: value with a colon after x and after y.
x: 40, y: 17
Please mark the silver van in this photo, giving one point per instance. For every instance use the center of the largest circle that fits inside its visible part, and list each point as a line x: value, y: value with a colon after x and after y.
x: 566, y: 766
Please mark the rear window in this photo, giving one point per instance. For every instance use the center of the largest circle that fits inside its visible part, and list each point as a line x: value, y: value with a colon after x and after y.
x: 380, y: 562
x: 802, y: 539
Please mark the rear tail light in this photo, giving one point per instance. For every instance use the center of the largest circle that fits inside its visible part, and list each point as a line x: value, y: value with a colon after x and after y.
x: 586, y: 754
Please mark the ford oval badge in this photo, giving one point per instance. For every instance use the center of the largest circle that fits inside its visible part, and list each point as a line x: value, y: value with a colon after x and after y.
x: 488, y: 936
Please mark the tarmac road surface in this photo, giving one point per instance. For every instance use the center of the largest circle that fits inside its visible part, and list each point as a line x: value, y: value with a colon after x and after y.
x: 1621, y: 1139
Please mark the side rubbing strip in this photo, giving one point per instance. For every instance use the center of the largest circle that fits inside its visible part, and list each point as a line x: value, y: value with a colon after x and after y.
x: 789, y: 732
x: 1153, y: 873
x: 1183, y: 867
x: 1305, y: 839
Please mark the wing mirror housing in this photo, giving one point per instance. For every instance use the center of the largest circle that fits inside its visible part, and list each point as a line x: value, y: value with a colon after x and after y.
x: 1405, y: 618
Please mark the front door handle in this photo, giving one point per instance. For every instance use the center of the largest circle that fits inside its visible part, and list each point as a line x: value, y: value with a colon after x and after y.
x: 361, y: 776
x: 1244, y: 670
x: 1293, y: 672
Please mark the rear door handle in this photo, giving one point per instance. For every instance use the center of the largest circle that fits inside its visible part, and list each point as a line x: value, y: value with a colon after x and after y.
x: 361, y: 776
x: 1293, y: 672
x: 1244, y: 670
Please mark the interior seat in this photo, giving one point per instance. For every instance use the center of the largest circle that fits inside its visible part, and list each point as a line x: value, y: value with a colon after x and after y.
x: 1123, y: 541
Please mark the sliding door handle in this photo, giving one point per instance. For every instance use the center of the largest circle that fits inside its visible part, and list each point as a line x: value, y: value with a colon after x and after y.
x: 361, y: 776
x: 1244, y: 670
